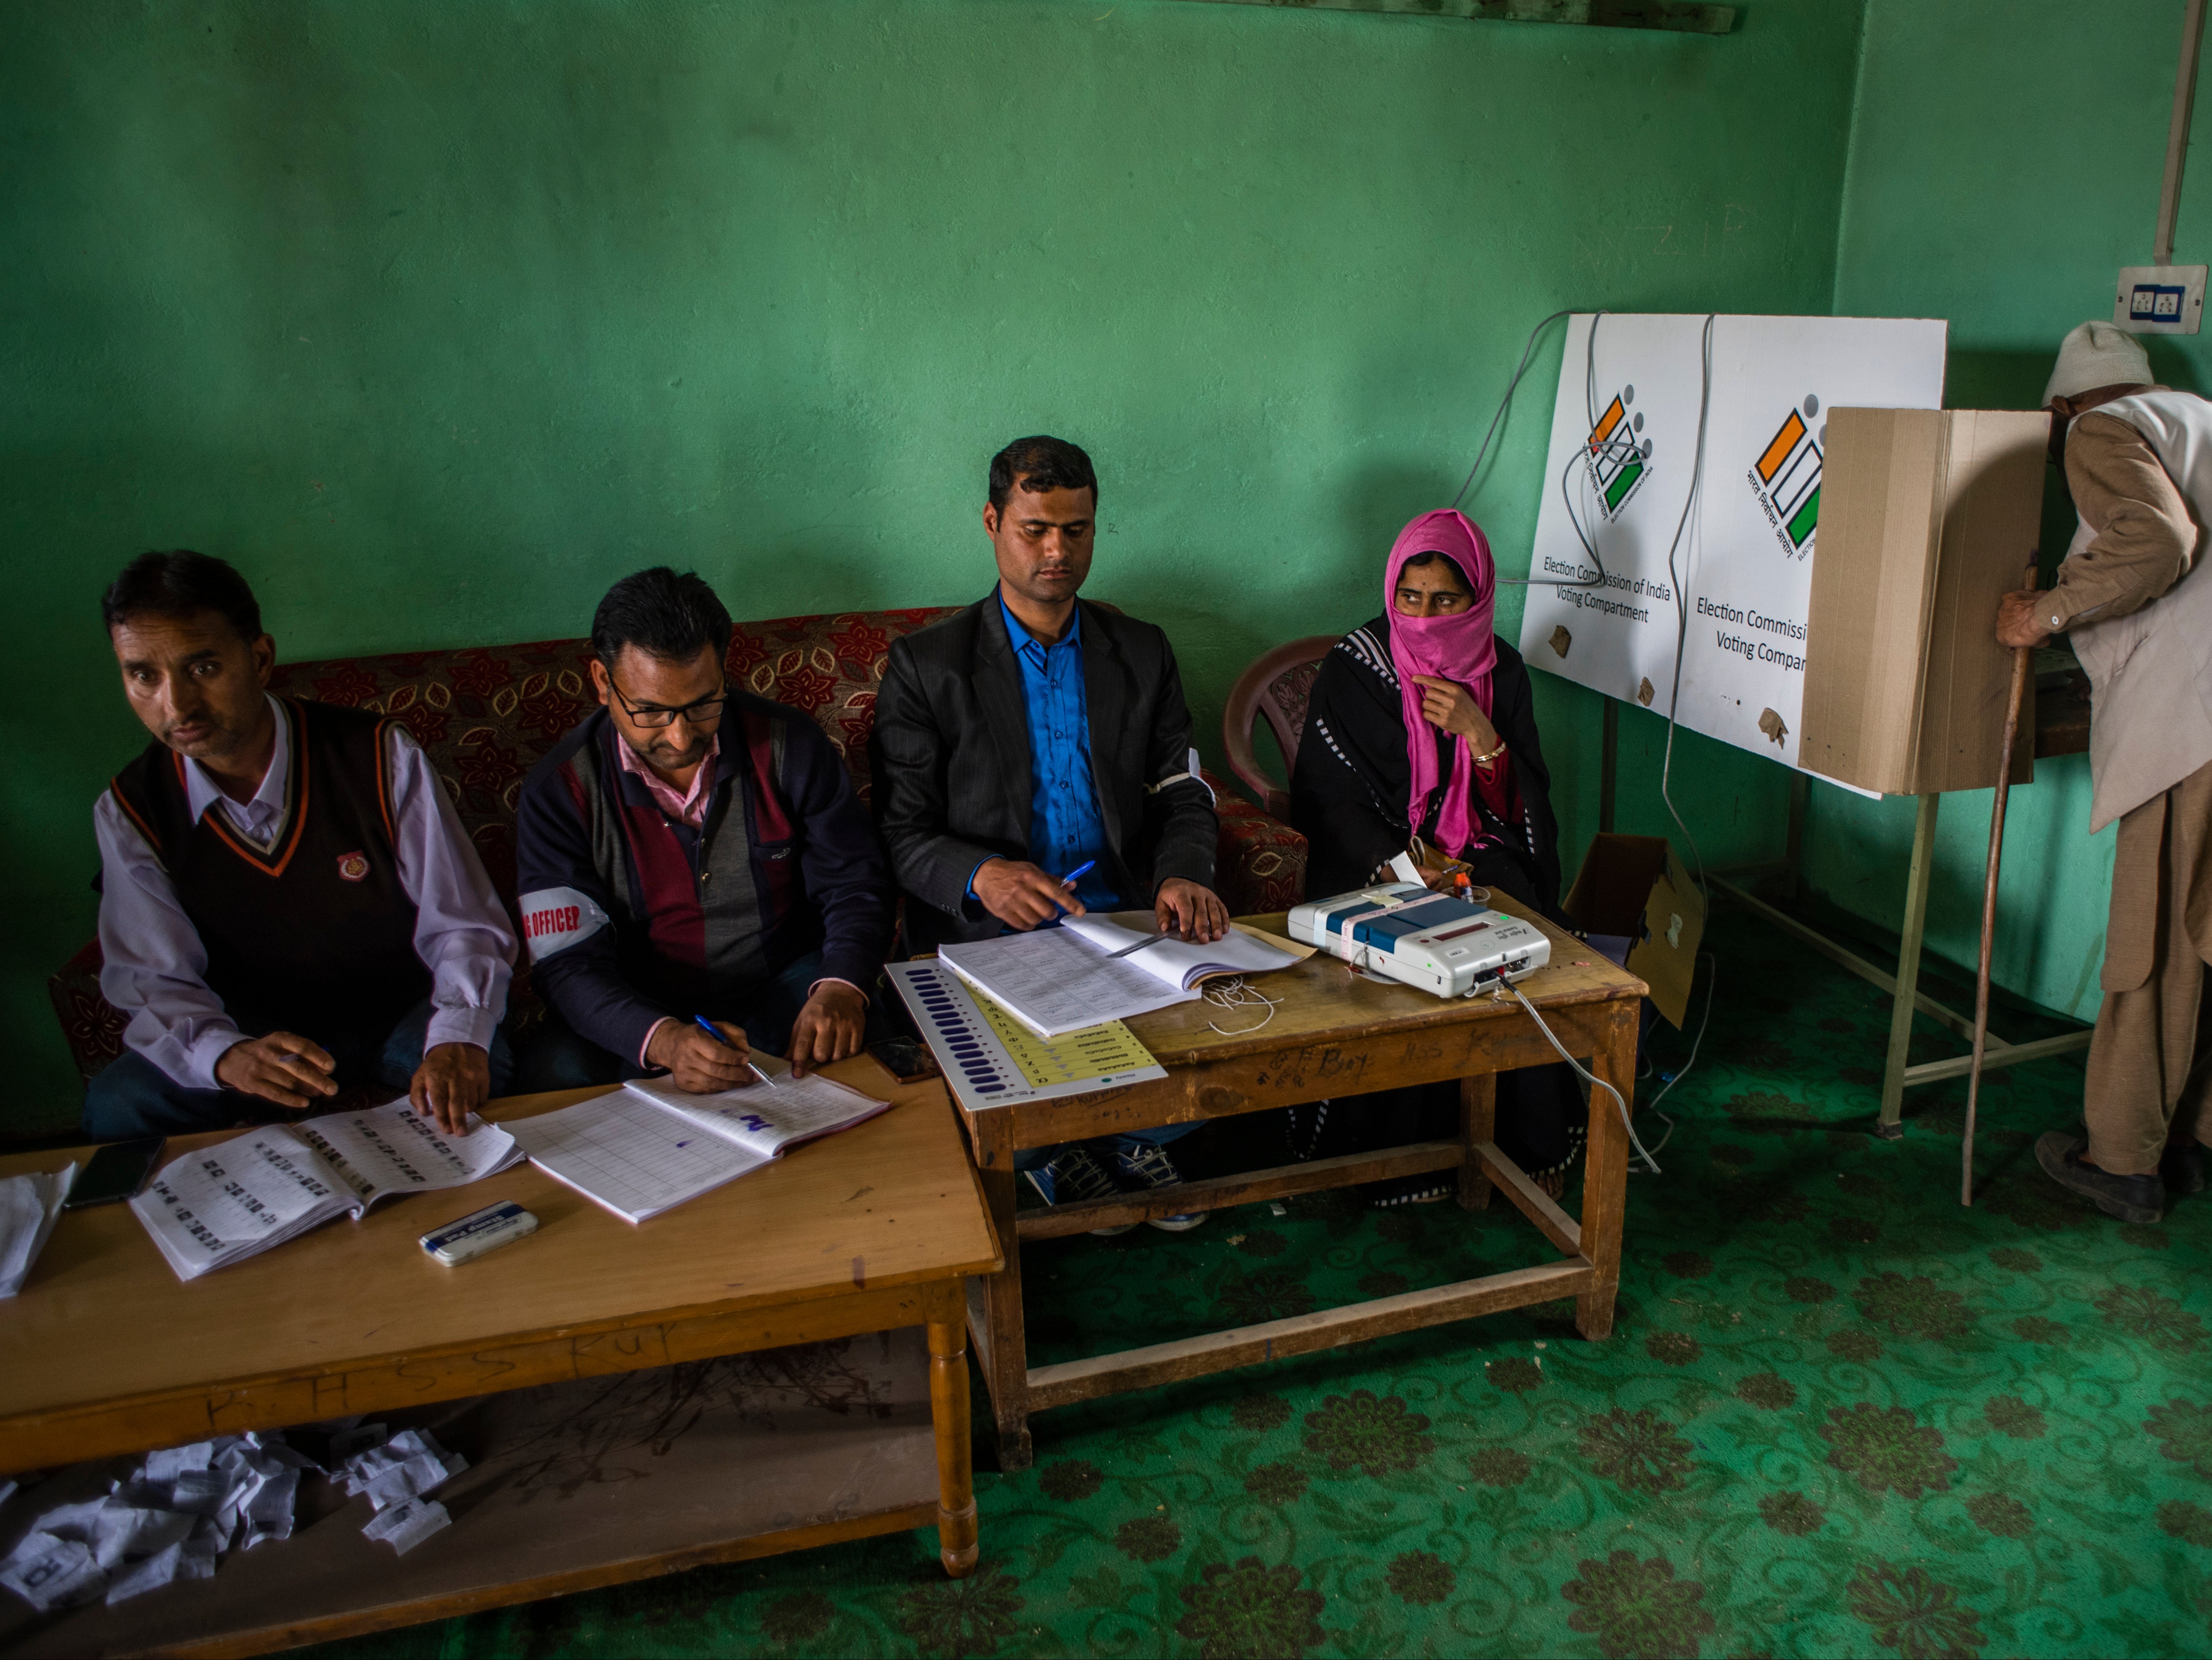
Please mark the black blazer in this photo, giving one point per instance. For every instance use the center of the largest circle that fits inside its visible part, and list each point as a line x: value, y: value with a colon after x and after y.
x: 951, y: 757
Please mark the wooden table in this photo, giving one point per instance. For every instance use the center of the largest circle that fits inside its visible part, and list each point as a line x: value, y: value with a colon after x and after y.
x: 1334, y: 1035
x: 868, y: 1232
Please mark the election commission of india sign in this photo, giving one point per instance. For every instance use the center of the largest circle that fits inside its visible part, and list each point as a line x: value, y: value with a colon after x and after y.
x: 1602, y: 607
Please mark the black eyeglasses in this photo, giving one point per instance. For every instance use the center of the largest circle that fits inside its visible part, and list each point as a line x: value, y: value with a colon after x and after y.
x: 706, y: 712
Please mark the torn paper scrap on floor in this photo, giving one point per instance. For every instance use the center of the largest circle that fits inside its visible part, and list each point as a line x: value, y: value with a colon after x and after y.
x: 411, y: 1464
x: 170, y: 1519
x: 52, y: 1573
x: 407, y: 1525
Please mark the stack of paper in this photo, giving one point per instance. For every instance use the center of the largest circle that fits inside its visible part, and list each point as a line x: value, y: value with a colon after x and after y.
x: 1056, y: 980
x: 647, y: 1148
x: 28, y: 1206
x: 224, y: 1203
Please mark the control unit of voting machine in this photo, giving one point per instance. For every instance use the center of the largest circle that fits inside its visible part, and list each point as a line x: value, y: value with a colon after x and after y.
x: 1404, y: 932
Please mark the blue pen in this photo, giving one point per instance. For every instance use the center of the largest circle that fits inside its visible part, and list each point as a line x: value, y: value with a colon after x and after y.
x: 1081, y: 869
x: 714, y: 1031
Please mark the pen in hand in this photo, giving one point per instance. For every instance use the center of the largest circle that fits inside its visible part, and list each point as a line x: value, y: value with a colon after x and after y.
x: 714, y: 1031
x: 1080, y: 870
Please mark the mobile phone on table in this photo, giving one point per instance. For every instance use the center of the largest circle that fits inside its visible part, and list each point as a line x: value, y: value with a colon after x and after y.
x: 904, y: 1059
x: 118, y: 1171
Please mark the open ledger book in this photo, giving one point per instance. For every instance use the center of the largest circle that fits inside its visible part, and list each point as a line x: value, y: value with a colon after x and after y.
x: 649, y: 1147
x: 1057, y: 980
x: 224, y: 1203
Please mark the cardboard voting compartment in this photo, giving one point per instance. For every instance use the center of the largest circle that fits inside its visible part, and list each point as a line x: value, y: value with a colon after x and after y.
x: 1929, y: 516
x: 1633, y: 888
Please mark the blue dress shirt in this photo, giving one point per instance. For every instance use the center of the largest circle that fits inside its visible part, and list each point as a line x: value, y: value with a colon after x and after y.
x: 1065, y: 825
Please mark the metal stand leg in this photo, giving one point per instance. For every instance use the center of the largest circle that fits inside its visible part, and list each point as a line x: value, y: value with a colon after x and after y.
x: 1908, y: 969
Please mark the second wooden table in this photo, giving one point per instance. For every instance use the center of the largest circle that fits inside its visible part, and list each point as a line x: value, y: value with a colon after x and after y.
x: 1334, y: 1035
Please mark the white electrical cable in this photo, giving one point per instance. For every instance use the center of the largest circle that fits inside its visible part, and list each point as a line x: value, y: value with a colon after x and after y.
x: 1235, y: 993
x: 1589, y: 397
x: 1712, y: 985
x: 1693, y: 502
x: 1595, y: 1082
x: 1693, y: 506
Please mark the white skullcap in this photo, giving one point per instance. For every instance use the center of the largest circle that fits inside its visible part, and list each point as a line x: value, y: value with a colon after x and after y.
x: 2097, y: 355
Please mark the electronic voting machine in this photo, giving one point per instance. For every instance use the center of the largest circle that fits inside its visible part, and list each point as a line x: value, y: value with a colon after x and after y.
x: 1402, y: 931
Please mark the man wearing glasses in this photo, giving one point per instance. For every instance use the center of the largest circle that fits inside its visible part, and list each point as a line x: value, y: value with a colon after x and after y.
x: 691, y: 853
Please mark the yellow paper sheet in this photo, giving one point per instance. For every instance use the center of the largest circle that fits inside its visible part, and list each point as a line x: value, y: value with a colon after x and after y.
x: 1096, y: 1051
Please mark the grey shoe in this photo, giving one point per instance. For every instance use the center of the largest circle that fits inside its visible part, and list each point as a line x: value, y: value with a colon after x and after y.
x: 1149, y: 1169
x: 1075, y: 1178
x: 2130, y: 1198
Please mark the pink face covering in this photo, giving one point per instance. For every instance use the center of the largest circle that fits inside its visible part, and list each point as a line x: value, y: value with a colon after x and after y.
x: 1460, y: 647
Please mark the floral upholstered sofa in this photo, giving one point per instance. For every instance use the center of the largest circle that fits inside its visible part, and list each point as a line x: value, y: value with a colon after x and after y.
x: 485, y: 714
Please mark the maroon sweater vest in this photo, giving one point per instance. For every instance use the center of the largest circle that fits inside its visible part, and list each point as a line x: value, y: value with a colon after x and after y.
x: 317, y: 934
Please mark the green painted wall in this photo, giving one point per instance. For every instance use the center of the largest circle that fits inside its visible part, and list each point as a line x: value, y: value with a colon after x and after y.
x: 2006, y: 161
x: 438, y: 316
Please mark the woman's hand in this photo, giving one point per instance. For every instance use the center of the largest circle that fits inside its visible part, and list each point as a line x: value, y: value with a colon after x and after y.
x: 1449, y: 705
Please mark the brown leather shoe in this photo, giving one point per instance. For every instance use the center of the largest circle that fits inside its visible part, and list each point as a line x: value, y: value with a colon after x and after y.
x: 2130, y: 1198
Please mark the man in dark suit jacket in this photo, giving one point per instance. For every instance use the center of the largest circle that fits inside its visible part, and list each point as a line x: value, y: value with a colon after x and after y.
x: 1032, y: 757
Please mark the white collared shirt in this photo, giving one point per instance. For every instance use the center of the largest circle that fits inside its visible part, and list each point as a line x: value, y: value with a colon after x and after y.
x: 153, y: 965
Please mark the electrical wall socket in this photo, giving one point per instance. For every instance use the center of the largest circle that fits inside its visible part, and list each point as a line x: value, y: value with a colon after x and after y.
x: 2160, y: 299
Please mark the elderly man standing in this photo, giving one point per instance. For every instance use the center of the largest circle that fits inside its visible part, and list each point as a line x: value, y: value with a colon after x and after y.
x: 2138, y: 461
x: 1032, y: 757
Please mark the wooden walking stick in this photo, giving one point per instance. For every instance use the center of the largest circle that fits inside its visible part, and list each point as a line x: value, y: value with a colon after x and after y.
x: 2020, y: 659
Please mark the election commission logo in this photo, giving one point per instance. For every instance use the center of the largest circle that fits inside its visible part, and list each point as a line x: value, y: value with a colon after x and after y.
x: 1786, y: 479
x: 1618, y: 463
x: 353, y: 867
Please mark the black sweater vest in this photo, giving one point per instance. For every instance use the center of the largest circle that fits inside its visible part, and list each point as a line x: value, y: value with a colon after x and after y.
x: 316, y: 936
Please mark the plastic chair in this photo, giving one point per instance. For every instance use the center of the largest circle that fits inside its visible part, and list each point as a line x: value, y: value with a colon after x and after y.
x: 1277, y: 686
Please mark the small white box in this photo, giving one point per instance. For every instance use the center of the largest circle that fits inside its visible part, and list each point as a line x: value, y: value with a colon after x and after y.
x: 2160, y: 299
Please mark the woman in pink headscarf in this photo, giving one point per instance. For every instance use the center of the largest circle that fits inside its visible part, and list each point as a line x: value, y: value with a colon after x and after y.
x: 1421, y: 725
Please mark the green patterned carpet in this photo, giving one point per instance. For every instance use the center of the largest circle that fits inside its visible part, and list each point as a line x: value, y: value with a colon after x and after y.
x: 1839, y: 1416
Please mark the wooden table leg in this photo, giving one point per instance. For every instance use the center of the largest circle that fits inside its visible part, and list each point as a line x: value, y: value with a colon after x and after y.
x: 948, y: 1409
x: 1605, y: 1174
x: 1478, y: 1124
x: 1004, y: 1356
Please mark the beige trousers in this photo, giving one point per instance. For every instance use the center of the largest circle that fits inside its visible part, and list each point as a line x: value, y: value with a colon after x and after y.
x: 2148, y: 1058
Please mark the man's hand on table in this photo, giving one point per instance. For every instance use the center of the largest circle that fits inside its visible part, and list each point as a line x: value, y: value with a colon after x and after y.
x: 1183, y: 908
x: 1021, y: 895
x: 830, y: 1027
x: 697, y: 1063
x: 453, y: 1080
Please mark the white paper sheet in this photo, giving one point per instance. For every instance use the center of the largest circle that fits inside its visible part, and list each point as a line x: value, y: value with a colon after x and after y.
x: 765, y: 1121
x: 393, y: 1149
x: 626, y: 1155
x: 50, y: 1573
x: 1054, y: 981
x: 29, y: 1207
x: 407, y: 1525
x: 238, y: 1196
x: 1182, y: 963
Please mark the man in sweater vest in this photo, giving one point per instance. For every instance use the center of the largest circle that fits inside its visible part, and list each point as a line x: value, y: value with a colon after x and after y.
x: 288, y: 903
x: 2139, y: 463
x: 691, y: 854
